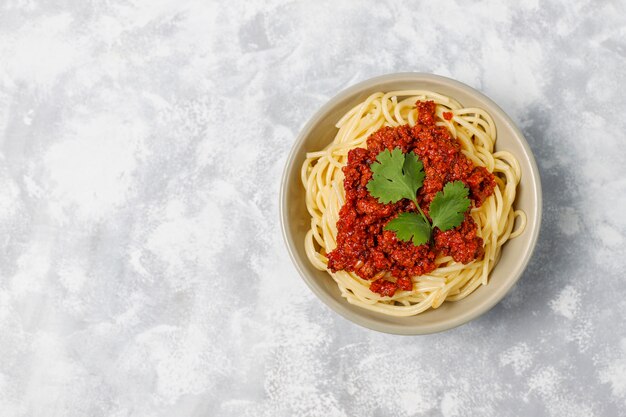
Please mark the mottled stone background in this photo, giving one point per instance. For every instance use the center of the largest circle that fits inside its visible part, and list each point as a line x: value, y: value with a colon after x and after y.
x: 142, y: 271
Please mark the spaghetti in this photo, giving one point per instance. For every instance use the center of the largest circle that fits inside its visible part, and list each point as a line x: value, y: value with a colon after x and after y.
x: 495, y: 218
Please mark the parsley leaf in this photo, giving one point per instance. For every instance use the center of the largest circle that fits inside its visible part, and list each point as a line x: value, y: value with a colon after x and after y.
x: 410, y: 226
x: 396, y: 176
x: 447, y: 210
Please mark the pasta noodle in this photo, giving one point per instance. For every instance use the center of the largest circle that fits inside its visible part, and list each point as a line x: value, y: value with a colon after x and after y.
x: 475, y: 132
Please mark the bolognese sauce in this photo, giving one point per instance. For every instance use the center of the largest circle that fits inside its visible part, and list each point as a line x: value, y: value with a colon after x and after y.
x: 375, y: 254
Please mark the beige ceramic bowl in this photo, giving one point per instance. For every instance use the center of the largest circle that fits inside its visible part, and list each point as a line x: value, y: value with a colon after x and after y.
x: 320, y: 131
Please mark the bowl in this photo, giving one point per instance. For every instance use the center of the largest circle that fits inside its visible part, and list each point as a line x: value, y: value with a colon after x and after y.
x: 516, y: 253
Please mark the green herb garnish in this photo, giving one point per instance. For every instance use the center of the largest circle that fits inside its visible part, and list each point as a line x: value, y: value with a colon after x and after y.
x: 396, y: 176
x: 410, y: 227
x: 449, y: 206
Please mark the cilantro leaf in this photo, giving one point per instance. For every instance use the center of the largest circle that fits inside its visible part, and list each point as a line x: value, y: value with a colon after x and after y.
x: 410, y: 227
x: 447, y: 209
x: 396, y: 176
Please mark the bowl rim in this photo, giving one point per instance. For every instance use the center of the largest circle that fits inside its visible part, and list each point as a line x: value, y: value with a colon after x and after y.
x: 342, y: 307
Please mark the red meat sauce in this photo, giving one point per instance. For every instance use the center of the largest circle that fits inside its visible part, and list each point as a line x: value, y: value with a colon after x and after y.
x: 375, y: 254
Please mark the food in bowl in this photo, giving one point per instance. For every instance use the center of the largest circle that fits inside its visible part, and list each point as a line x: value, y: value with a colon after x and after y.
x: 410, y: 205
